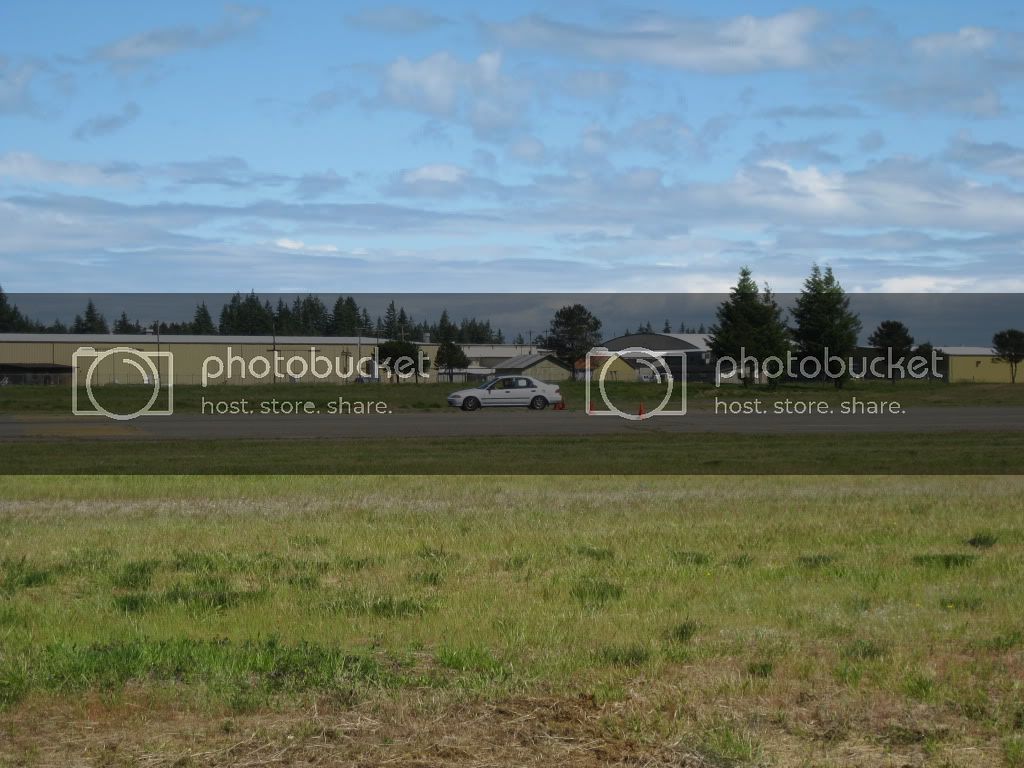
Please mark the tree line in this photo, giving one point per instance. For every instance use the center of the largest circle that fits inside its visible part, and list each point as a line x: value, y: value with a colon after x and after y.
x: 252, y: 315
x: 750, y: 322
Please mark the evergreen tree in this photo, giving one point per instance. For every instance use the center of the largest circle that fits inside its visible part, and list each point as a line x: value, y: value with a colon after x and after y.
x: 346, y: 319
x: 11, y: 318
x: 311, y: 316
x: 202, y: 322
x: 449, y: 357
x: 824, y: 322
x: 893, y: 338
x: 92, y: 322
x: 573, y: 332
x: 749, y: 324
x: 124, y: 325
x: 247, y: 316
x: 390, y: 324
x: 667, y: 328
x: 285, y: 321
x: 446, y: 329
x: 395, y: 349
x: 402, y: 324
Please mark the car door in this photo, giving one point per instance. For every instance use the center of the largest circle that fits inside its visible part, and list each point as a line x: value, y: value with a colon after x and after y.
x: 526, y: 390
x: 503, y: 392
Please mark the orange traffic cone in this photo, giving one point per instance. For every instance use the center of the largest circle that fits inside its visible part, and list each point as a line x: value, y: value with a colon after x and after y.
x: 640, y: 410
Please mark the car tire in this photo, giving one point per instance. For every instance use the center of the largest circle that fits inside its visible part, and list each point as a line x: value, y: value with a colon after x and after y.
x: 470, y: 404
x: 539, y: 403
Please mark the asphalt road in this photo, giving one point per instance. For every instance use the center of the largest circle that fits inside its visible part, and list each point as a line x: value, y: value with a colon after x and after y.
x: 489, y: 423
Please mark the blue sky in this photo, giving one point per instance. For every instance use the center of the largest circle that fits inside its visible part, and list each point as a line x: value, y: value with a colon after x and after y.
x: 576, y: 146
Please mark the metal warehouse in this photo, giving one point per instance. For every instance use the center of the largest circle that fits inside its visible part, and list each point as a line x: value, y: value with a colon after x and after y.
x: 52, y: 358
x: 980, y: 365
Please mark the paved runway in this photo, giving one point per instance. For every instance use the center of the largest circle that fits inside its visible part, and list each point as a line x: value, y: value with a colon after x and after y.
x: 489, y: 423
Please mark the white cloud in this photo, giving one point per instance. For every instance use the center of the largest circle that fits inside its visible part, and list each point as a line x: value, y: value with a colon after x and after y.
x: 15, y: 86
x: 925, y: 284
x: 314, y: 185
x: 440, y: 180
x: 996, y: 158
x: 396, y: 19
x: 441, y: 174
x: 27, y: 167
x: 429, y: 85
x: 965, y: 41
x: 146, y: 47
x: 664, y: 134
x: 442, y: 85
x: 811, y: 150
x: 596, y: 141
x: 32, y: 87
x: 289, y: 244
x: 528, y: 149
x: 104, y: 125
x: 598, y: 84
x: 739, y: 44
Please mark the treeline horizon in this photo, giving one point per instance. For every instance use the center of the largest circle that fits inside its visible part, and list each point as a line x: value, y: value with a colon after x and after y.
x: 251, y: 315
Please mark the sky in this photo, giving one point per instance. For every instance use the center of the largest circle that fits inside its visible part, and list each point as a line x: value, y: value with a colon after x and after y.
x: 456, y: 146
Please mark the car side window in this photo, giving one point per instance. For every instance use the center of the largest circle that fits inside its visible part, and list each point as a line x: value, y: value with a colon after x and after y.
x: 523, y: 383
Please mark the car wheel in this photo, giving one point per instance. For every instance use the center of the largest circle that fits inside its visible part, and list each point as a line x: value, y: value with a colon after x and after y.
x: 539, y: 403
x: 470, y: 404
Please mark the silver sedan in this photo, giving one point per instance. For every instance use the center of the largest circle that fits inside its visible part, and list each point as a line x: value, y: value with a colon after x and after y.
x: 507, y: 391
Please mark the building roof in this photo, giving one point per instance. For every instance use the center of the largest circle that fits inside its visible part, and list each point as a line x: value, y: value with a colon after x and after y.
x: 499, y: 350
x: 472, y: 370
x: 525, y: 361
x: 174, y: 338
x: 967, y: 351
x: 699, y: 340
x: 35, y: 368
x: 661, y: 342
x: 597, y: 360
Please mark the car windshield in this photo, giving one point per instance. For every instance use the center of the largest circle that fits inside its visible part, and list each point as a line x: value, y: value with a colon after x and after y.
x: 489, y: 383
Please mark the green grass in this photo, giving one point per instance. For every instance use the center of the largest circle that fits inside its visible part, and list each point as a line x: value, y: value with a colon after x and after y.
x: 748, y: 619
x: 989, y: 453
x: 432, y: 396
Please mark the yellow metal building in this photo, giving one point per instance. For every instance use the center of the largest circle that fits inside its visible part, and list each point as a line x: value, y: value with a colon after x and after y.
x: 187, y: 359
x: 615, y: 368
x: 542, y: 365
x: 976, y: 364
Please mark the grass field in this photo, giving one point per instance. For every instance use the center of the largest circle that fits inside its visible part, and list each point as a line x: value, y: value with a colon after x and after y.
x: 935, y: 453
x: 188, y: 398
x: 702, y: 621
